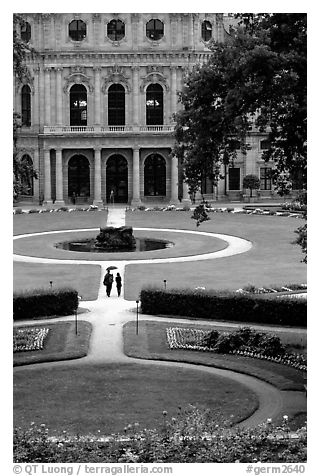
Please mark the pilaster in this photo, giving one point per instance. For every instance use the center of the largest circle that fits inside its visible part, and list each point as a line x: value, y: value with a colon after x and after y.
x: 97, y: 96
x: 47, y: 96
x: 59, y: 94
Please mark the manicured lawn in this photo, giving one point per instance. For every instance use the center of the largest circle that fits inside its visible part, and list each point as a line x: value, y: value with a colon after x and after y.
x: 84, y: 278
x: 37, y: 222
x: 84, y: 399
x: 272, y: 260
x: 151, y: 343
x: 62, y: 343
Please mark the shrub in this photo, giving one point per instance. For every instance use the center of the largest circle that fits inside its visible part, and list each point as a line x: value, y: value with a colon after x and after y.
x: 224, y: 305
x: 18, y: 211
x: 63, y: 209
x: 33, y: 210
x: 192, y: 437
x: 141, y: 207
x: 43, y: 302
x: 211, y: 338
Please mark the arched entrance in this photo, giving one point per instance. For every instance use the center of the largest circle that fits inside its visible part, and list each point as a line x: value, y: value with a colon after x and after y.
x: 117, y: 179
x: 79, y: 178
x: 155, y: 176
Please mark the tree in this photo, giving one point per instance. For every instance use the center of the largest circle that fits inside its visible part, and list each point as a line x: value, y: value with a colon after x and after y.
x: 21, y: 169
x: 256, y: 78
x: 252, y: 182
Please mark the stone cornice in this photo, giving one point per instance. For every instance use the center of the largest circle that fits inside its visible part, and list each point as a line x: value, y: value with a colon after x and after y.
x: 125, y: 56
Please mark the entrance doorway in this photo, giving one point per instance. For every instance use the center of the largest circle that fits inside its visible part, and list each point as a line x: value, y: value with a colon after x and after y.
x: 79, y: 179
x: 117, y: 179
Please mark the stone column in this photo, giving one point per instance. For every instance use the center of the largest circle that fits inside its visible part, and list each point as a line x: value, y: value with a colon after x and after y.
x: 173, y: 89
x: 186, y: 201
x: 47, y: 97
x: 59, y: 178
x: 97, y: 177
x: 174, y: 181
x: 135, y: 96
x: 97, y: 96
x: 36, y: 190
x: 59, y: 96
x: 136, y: 178
x: 47, y: 178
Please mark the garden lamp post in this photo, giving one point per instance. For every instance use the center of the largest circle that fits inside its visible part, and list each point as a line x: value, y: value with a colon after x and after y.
x: 76, y: 316
x: 137, y: 322
x: 51, y: 282
x: 165, y: 284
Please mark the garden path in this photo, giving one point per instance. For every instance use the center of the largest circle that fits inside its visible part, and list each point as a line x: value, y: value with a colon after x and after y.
x: 108, y: 315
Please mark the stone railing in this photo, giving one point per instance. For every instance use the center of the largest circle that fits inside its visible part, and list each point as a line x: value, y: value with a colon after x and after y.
x: 107, y: 129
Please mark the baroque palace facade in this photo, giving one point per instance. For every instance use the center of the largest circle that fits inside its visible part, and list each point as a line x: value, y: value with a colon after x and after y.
x: 97, y: 112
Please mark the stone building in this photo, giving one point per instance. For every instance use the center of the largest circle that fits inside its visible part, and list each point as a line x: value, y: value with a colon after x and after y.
x: 97, y: 113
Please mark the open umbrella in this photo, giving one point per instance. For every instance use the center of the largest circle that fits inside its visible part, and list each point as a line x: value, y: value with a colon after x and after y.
x: 109, y: 268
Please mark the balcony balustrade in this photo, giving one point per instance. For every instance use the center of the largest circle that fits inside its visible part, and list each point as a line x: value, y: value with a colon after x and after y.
x: 48, y: 130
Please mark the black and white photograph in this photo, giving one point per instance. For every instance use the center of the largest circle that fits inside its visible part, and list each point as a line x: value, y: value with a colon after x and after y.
x: 159, y: 239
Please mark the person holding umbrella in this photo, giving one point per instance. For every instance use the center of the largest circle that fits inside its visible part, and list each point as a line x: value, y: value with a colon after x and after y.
x: 108, y: 280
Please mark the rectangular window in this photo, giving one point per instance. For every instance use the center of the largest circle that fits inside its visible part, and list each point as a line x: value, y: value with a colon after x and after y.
x: 265, y: 144
x: 234, y: 178
x: 265, y: 178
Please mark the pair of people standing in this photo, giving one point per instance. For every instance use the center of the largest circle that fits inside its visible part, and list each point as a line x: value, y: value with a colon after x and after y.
x: 108, y: 281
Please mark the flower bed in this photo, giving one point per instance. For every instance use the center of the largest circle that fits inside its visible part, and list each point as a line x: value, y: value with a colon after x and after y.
x: 29, y: 339
x: 210, y: 209
x: 196, y: 339
x: 182, y: 338
x: 19, y: 211
x: 251, y: 289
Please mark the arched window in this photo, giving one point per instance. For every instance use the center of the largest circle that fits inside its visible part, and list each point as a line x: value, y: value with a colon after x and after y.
x: 206, y: 30
x: 117, y: 179
x: 25, y: 31
x: 154, y: 104
x: 155, y: 175
x: 116, y: 105
x: 78, y: 105
x: 155, y: 29
x: 115, y: 30
x: 26, y: 106
x: 77, y: 30
x: 79, y: 177
x: 26, y: 176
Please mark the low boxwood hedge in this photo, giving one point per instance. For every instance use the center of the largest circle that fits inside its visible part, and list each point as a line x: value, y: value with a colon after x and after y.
x: 226, y: 306
x: 43, y: 302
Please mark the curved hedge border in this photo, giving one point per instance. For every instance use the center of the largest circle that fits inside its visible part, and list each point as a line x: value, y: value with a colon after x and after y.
x: 225, y: 306
x: 43, y: 303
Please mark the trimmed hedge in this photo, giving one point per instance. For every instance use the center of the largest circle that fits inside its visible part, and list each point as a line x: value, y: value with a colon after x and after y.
x: 225, y: 306
x: 44, y: 302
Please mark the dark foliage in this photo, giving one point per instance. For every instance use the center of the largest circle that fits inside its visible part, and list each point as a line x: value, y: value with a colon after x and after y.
x: 43, y: 302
